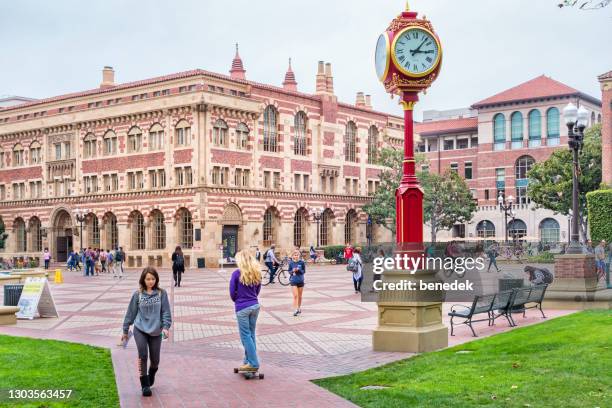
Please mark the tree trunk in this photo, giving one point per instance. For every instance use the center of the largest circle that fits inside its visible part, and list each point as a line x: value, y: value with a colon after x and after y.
x: 433, y: 231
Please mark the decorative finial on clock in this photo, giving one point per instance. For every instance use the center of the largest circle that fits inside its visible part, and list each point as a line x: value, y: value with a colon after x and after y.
x: 407, y: 5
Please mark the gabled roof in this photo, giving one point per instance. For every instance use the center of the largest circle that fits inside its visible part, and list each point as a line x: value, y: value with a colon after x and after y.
x: 537, y: 88
x: 607, y: 75
x: 446, y: 126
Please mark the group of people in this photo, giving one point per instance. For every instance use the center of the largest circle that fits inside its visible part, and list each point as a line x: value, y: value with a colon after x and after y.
x: 97, y: 261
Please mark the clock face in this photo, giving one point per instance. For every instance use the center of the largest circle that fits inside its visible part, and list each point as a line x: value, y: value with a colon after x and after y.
x: 416, y: 52
x: 382, y: 56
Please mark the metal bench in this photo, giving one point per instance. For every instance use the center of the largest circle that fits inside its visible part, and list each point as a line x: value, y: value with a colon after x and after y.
x: 481, y: 304
x: 502, y: 306
x: 527, y: 298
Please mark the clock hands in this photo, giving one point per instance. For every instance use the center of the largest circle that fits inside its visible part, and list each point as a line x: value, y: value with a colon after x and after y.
x: 412, y: 52
x: 422, y: 52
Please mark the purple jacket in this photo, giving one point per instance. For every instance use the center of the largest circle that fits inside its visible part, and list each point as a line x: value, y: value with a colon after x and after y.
x: 242, y: 295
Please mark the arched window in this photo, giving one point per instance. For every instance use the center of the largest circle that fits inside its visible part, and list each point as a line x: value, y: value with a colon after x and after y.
x: 270, y: 226
x: 372, y: 144
x: 111, y: 231
x: 350, y: 227
x: 35, y: 153
x: 138, y: 230
x: 485, y: 229
x: 90, y: 146
x: 599, y: 118
x: 158, y: 230
x: 535, y: 128
x: 299, y: 141
x: 18, y: 156
x: 299, y: 228
x: 93, y: 230
x: 242, y: 136
x: 36, y: 234
x: 517, y: 229
x: 110, y: 143
x: 350, y: 145
x: 220, y: 133
x: 499, y: 132
x: 185, y: 228
x: 521, y: 168
x: 552, y: 127
x: 156, y: 137
x: 549, y: 230
x: 2, y: 231
x: 592, y: 118
x: 182, y: 133
x: 326, y: 227
x: 516, y: 133
x: 270, y: 129
x: 21, y: 238
x: 134, y: 140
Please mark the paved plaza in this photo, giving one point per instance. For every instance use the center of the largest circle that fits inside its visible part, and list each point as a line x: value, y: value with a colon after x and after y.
x: 331, y: 337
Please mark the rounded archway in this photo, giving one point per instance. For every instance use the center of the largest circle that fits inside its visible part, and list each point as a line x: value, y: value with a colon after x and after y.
x: 61, y: 235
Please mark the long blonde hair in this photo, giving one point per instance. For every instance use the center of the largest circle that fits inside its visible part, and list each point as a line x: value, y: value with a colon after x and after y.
x: 250, y: 273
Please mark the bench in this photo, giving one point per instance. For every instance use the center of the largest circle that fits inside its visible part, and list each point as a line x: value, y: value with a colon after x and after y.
x: 505, y: 303
x: 7, y: 315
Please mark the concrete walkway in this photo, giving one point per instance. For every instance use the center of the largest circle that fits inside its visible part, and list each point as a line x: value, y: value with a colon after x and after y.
x: 331, y: 337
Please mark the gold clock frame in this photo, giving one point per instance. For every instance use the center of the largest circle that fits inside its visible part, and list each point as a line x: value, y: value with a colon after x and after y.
x: 399, y: 66
x: 387, y: 56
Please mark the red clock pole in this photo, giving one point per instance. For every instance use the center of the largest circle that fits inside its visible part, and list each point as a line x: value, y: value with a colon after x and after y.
x: 409, y: 196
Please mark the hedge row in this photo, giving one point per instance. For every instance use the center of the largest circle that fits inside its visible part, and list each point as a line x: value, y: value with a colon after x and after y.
x: 599, y: 204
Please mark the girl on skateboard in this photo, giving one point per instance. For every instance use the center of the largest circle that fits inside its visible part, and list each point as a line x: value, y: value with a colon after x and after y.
x: 244, y: 288
x: 297, y: 269
x: 149, y: 312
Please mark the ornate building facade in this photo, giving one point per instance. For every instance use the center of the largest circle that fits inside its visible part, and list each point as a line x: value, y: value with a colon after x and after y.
x: 213, y: 163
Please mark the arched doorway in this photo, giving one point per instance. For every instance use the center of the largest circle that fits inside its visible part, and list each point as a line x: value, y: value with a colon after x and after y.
x: 61, y: 235
x: 231, y: 225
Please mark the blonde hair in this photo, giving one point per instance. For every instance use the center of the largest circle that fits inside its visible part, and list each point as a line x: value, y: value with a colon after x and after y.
x: 250, y: 273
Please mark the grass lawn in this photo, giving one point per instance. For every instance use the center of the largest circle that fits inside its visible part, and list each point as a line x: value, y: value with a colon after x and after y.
x: 33, y: 364
x: 565, y: 362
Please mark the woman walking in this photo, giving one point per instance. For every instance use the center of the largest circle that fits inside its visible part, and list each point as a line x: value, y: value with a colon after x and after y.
x: 356, y: 266
x: 178, y: 265
x: 297, y: 269
x: 47, y: 257
x: 149, y: 312
x: 244, y: 288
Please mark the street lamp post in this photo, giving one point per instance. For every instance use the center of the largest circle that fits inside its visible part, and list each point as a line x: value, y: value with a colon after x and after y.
x: 80, y: 216
x: 576, y: 120
x: 506, y: 209
x: 316, y: 214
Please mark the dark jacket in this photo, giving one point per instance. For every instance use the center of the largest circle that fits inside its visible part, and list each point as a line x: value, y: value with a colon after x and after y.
x: 175, y: 266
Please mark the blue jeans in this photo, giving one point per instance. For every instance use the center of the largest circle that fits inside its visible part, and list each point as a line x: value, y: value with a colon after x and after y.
x: 89, y: 268
x: 247, y: 319
x: 272, y: 270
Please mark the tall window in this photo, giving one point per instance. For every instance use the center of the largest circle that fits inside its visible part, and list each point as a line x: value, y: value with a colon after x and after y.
x: 549, y: 231
x: 18, y: 157
x: 485, y: 229
x: 242, y: 136
x: 468, y: 170
x: 159, y: 230
x: 270, y: 226
x: 299, y: 141
x: 220, y: 133
x: 326, y: 227
x: 35, y: 153
x: 110, y: 143
x: 36, y: 233
x: 350, y: 145
x: 350, y: 227
x: 134, y: 139
x: 182, y: 133
x: 299, y: 228
x: 535, y: 128
x: 500, y: 181
x: 89, y: 146
x: 93, y: 231
x: 270, y: 129
x: 522, y: 167
x: 372, y: 144
x: 185, y: 228
x: 138, y: 230
x: 156, y: 137
x: 552, y: 127
x: 111, y: 231
x: 20, y: 235
x: 516, y: 121
x: 499, y: 132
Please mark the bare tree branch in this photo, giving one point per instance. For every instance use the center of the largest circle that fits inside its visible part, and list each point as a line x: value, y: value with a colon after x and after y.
x: 585, y: 4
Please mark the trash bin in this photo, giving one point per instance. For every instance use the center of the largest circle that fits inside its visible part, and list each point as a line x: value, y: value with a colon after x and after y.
x: 12, y: 293
x: 201, y: 263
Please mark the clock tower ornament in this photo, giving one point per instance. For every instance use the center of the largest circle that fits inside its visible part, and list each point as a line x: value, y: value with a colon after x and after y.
x: 408, y: 59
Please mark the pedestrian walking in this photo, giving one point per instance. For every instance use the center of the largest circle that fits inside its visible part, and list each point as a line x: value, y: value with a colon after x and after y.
x: 600, y: 259
x: 89, y: 262
x: 47, y: 257
x: 493, y: 252
x: 297, y: 269
x: 178, y: 265
x: 257, y: 254
x: 348, y: 252
x: 355, y: 265
x: 118, y: 264
x: 149, y: 312
x: 244, y: 287
x: 103, y: 255
x: 271, y: 262
x: 313, y: 254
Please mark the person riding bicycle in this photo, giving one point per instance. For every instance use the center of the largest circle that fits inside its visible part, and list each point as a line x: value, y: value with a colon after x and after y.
x: 271, y: 262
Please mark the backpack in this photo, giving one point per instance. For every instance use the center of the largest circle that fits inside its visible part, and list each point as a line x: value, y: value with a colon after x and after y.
x: 110, y: 257
x: 548, y: 276
x: 179, y: 261
x: 353, y: 265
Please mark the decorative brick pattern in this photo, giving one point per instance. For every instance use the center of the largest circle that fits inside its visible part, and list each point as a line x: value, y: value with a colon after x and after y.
x: 121, y: 164
x: 183, y: 156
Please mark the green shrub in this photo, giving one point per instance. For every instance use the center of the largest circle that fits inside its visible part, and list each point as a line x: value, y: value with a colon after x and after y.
x: 543, y: 257
x: 332, y: 250
x: 599, y: 204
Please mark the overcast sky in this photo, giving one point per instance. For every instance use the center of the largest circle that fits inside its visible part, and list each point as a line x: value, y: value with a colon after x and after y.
x: 54, y: 47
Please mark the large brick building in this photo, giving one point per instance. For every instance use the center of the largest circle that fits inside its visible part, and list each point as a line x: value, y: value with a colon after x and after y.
x: 495, y: 143
x: 196, y: 159
x: 606, y: 126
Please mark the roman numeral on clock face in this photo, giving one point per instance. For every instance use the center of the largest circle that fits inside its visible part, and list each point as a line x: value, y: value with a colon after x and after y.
x: 429, y: 59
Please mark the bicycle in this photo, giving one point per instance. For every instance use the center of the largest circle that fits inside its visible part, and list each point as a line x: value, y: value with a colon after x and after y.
x: 281, y: 274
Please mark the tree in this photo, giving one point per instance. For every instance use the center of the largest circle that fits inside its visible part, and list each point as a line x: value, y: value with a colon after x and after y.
x: 447, y: 199
x: 585, y: 4
x: 550, y: 181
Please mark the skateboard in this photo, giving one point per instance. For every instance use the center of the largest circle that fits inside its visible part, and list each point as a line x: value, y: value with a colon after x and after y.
x: 249, y: 374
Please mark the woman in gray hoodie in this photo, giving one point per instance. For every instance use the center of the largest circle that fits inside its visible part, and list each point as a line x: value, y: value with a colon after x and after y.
x: 149, y: 312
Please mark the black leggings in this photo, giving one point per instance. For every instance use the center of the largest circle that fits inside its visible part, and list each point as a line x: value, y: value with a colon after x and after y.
x: 147, y: 345
x: 177, y: 276
x: 357, y: 284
